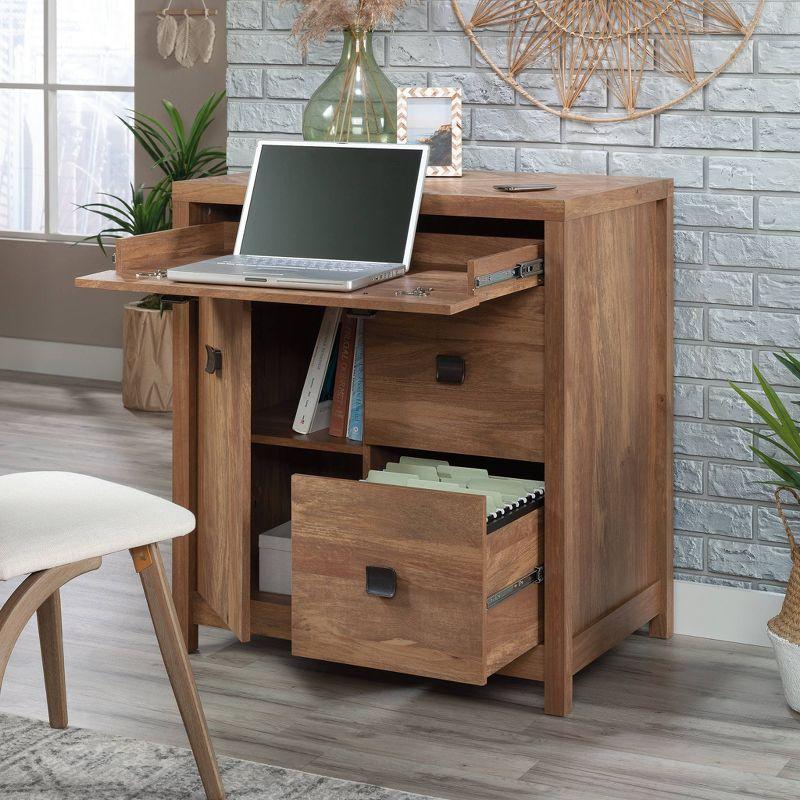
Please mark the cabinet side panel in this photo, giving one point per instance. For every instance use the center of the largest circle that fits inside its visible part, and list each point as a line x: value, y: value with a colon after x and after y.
x: 617, y: 325
x: 184, y: 459
x: 663, y: 299
x: 223, y: 524
x: 559, y: 583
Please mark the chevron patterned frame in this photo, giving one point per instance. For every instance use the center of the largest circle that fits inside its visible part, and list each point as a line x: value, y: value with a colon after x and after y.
x: 454, y: 169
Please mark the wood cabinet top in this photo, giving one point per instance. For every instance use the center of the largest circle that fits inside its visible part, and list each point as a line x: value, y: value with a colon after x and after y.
x: 473, y: 195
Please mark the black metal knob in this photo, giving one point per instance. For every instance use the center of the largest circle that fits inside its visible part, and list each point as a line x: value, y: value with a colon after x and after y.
x: 213, y: 359
x: 381, y: 581
x: 450, y: 369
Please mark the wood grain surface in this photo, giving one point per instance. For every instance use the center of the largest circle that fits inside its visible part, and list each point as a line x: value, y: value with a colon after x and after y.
x: 176, y: 661
x: 450, y: 294
x: 181, y: 245
x: 185, y: 367
x: 497, y: 411
x: 437, y: 624
x: 48, y: 618
x: 474, y: 194
x: 223, y: 518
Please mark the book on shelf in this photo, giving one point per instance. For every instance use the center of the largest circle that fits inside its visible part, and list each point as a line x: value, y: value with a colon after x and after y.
x: 344, y: 377
x: 355, y: 416
x: 315, y: 406
x: 333, y: 392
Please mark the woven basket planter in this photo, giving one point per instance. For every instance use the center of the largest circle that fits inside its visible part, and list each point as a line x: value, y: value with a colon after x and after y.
x: 147, y: 359
x: 784, y: 629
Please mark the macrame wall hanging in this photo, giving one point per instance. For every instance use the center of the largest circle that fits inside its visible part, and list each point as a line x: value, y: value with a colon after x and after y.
x: 623, y: 44
x: 187, y: 34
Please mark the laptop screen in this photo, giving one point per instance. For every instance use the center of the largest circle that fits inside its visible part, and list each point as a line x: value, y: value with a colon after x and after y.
x: 348, y: 203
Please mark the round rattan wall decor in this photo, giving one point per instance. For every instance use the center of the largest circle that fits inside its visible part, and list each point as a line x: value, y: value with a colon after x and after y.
x: 624, y: 44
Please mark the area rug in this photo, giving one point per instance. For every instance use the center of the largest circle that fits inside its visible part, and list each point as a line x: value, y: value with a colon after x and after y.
x: 38, y: 763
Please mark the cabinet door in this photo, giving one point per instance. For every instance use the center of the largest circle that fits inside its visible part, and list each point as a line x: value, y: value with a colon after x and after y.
x: 223, y: 519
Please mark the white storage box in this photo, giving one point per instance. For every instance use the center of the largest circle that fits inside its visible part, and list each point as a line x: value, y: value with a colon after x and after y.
x: 275, y: 560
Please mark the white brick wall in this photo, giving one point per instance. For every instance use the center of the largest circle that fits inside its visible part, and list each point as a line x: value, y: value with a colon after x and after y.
x: 733, y: 150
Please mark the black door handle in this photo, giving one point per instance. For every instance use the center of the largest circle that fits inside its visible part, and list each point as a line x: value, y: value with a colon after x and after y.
x: 450, y: 369
x: 381, y: 582
x: 213, y: 359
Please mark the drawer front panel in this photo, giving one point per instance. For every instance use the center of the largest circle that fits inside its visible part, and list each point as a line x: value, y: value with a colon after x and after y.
x: 436, y: 623
x: 498, y: 409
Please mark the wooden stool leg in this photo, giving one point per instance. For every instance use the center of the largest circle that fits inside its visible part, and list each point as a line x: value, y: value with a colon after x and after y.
x: 34, y: 592
x: 147, y: 561
x: 48, y: 616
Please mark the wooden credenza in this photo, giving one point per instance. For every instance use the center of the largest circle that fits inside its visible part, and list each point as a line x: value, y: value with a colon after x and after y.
x: 568, y: 378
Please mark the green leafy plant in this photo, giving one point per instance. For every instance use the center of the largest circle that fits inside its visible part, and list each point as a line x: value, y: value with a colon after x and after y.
x: 146, y: 212
x: 783, y: 432
x: 177, y: 152
x: 158, y: 302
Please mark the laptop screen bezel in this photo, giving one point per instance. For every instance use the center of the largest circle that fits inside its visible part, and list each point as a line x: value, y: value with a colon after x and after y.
x: 412, y: 229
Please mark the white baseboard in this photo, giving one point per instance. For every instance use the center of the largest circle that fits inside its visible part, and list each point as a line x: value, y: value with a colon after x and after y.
x: 724, y: 612
x: 61, y: 358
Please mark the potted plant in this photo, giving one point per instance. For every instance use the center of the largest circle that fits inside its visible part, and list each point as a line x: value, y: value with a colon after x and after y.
x: 782, y: 437
x: 177, y: 152
x: 147, y: 353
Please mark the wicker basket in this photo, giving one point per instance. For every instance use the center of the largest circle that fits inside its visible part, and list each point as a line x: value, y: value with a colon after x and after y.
x: 784, y: 629
x: 787, y: 623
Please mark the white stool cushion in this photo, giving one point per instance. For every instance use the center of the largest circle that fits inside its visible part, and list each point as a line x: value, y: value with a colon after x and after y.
x: 48, y: 519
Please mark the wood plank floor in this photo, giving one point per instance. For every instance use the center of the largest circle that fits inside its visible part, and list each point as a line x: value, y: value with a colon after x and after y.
x: 688, y: 718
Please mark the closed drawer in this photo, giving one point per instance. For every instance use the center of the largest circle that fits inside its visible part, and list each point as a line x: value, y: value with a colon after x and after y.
x: 498, y: 409
x: 447, y: 567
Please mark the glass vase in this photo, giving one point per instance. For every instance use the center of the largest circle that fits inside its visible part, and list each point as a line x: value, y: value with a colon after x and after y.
x: 357, y: 102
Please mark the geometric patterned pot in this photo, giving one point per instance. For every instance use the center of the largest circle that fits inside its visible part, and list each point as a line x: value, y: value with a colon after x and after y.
x: 147, y: 359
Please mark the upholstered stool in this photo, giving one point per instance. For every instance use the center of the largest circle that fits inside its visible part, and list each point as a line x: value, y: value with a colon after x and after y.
x: 58, y: 525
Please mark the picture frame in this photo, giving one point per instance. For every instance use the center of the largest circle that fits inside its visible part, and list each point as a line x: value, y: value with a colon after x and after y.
x: 433, y: 116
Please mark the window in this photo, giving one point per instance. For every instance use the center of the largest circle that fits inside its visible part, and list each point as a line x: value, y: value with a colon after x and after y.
x: 66, y: 72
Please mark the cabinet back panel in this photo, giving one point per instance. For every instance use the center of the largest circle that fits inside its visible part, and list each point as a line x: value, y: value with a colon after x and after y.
x: 283, y: 341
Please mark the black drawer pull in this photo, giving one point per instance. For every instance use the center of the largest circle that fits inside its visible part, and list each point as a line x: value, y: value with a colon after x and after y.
x: 381, y: 581
x: 450, y: 369
x: 213, y: 359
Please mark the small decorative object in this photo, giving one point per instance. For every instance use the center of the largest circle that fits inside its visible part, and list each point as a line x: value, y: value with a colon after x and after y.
x: 357, y: 102
x: 166, y: 33
x: 147, y: 354
x: 615, y: 42
x: 193, y: 38
x: 433, y: 117
x: 782, y: 435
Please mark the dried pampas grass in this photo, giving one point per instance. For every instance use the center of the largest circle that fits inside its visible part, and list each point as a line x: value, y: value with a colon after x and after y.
x: 319, y: 17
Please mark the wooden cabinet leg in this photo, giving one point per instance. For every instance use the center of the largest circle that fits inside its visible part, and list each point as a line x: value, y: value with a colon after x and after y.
x: 661, y: 626
x: 165, y: 622
x: 558, y: 695
x: 48, y: 617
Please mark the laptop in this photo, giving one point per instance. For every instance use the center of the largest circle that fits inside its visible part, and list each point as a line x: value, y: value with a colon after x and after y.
x: 325, y: 216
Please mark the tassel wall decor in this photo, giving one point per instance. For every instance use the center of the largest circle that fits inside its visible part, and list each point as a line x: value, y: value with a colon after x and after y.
x: 188, y: 40
x: 166, y: 33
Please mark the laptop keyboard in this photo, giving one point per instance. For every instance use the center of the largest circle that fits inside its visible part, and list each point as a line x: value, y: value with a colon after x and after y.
x: 271, y: 262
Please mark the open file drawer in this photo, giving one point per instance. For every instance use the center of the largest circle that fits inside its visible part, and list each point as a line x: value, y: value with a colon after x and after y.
x: 448, y: 570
